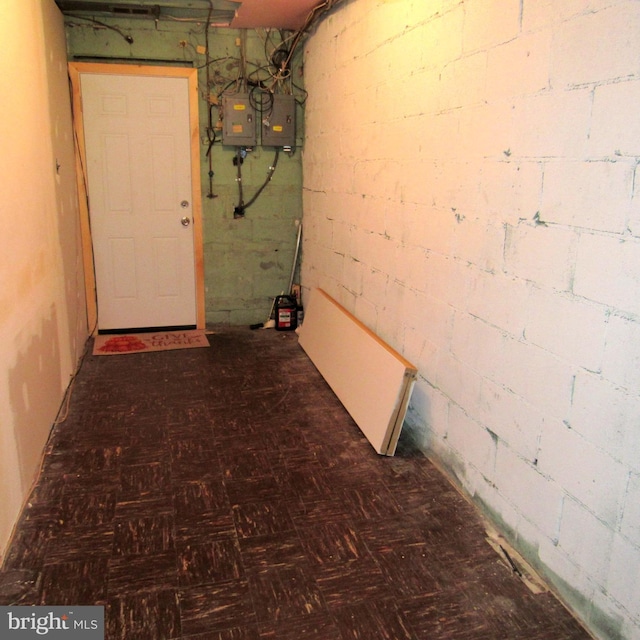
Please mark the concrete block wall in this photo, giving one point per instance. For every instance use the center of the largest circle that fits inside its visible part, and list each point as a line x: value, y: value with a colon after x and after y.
x: 470, y: 191
x: 247, y: 261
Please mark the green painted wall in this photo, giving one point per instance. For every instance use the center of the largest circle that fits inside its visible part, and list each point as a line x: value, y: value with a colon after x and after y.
x: 247, y: 260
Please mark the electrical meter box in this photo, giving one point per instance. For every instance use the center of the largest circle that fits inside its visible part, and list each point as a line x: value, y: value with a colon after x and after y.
x: 279, y: 126
x: 238, y: 120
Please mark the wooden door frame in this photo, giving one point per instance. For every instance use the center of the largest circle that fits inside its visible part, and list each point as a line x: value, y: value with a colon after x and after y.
x: 75, y: 70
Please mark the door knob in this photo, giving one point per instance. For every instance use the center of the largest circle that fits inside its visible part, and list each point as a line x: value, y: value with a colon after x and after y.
x: 185, y: 221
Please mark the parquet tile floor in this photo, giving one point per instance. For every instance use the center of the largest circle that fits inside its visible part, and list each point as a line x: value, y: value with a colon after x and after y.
x: 225, y: 494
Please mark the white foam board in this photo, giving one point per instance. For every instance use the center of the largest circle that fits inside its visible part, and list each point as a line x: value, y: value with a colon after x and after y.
x: 372, y: 380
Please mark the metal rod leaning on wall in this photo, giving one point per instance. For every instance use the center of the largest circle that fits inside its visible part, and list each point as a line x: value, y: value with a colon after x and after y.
x: 295, y: 256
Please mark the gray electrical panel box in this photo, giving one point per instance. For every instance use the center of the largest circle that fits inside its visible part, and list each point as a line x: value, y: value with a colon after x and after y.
x: 279, y: 125
x: 238, y: 120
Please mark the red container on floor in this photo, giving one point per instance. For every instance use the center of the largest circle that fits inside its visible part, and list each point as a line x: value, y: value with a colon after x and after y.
x: 286, y: 313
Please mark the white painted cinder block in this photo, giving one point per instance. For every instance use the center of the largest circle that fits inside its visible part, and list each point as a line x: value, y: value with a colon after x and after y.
x: 379, y: 252
x: 607, y: 416
x: 630, y: 523
x: 433, y: 318
x: 538, y: 376
x: 445, y: 36
x: 395, y: 221
x: 490, y: 24
x: 590, y: 475
x: 339, y: 233
x: 341, y: 175
x: 426, y: 358
x: 472, y: 441
x: 462, y: 82
x: 367, y: 213
x: 615, y: 126
x: 500, y: 300
x: 429, y: 228
x: 581, y: 55
x: 564, y: 567
x: 552, y: 124
x: 416, y: 97
x: 485, y: 130
x: 621, y: 362
x: 411, y: 269
x: 634, y: 215
x: 540, y: 14
x: 622, y: 582
x: 520, y: 66
x: 598, y: 198
x: 352, y: 276
x: 331, y: 263
x: 510, y: 190
x: 455, y: 188
x: 359, y: 246
x: 535, y: 496
x: 514, y: 420
x: 390, y: 326
x: 457, y: 381
x: 607, y: 270
x: 479, y: 345
x: 419, y: 189
x: 413, y: 343
x: 322, y: 227
x: 610, y: 618
x: 379, y: 178
x: 421, y: 11
x: 479, y: 243
x: 568, y: 327
x: 374, y: 287
x: 387, y: 21
x: 586, y: 539
x: 438, y: 135
x: 342, y: 209
x: 366, y: 312
x: 433, y: 407
x: 542, y: 254
x: 449, y: 280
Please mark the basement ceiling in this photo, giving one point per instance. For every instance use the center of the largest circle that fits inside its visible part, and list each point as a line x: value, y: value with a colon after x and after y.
x: 245, y: 14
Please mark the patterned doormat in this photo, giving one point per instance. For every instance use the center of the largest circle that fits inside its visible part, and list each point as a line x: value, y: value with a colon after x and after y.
x: 111, y: 345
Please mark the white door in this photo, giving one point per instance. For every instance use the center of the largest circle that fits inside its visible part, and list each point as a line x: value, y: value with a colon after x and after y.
x: 138, y: 157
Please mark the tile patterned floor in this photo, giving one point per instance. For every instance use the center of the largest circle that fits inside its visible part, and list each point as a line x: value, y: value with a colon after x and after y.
x: 224, y: 494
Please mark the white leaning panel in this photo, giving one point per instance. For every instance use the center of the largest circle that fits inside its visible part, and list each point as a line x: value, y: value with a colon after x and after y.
x: 372, y: 380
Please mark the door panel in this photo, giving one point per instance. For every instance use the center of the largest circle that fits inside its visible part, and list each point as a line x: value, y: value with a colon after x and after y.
x: 122, y: 258
x: 167, y: 270
x: 117, y: 173
x: 138, y: 161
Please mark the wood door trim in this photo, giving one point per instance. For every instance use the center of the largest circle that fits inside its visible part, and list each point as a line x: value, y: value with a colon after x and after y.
x: 75, y: 70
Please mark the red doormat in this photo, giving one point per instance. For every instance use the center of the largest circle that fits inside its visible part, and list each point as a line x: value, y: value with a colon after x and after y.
x: 111, y: 345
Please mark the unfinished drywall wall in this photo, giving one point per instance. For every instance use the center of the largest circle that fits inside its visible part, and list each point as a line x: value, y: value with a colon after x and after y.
x: 470, y: 193
x: 248, y: 260
x: 42, y: 308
